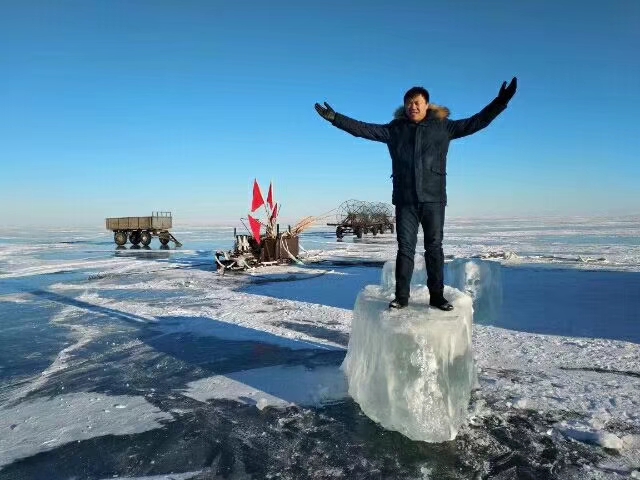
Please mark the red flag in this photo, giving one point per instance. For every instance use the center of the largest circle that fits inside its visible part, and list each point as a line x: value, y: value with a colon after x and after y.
x: 257, y: 201
x: 255, y: 228
x: 275, y: 212
x: 270, y: 196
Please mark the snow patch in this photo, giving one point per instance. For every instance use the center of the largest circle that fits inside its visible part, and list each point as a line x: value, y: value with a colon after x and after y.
x: 278, y: 386
x: 39, y: 425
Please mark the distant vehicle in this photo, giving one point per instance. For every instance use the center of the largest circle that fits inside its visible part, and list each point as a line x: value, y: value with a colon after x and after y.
x: 359, y: 218
x: 140, y: 230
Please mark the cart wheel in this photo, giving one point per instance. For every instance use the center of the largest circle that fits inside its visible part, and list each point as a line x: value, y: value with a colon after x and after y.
x: 164, y: 238
x: 145, y: 238
x: 120, y: 238
x: 134, y: 238
x: 339, y: 232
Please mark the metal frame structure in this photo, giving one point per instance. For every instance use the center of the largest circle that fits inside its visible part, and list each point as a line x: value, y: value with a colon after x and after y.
x: 360, y: 217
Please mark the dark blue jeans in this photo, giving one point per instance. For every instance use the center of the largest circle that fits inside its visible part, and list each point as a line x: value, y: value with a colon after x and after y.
x: 408, y: 218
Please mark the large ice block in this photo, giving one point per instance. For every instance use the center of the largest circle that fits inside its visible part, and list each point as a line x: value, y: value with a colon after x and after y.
x: 411, y: 370
x: 480, y: 279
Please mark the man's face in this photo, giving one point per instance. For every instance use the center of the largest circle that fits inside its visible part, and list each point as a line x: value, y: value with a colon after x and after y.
x: 416, y: 108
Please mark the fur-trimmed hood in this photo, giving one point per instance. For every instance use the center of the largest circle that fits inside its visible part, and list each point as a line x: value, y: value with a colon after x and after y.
x: 440, y: 112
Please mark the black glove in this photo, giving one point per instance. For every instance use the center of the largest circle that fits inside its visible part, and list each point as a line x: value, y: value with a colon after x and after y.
x: 327, y: 113
x: 507, y: 92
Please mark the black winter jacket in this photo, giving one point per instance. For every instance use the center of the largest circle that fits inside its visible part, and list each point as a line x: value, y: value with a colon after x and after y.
x: 419, y: 150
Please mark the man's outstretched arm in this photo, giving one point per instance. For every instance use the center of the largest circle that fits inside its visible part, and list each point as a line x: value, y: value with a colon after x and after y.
x: 468, y: 126
x: 370, y: 131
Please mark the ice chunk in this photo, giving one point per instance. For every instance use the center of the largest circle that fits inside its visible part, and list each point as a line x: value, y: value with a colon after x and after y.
x: 596, y: 437
x: 419, y: 277
x: 480, y: 279
x: 411, y: 370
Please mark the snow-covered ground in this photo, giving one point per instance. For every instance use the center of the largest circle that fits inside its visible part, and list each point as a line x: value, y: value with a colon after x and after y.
x: 150, y: 364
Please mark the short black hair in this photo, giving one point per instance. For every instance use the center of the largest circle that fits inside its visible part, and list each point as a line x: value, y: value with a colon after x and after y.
x: 414, y: 92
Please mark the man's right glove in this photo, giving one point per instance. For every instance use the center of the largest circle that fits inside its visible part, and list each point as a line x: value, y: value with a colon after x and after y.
x: 507, y: 92
x: 327, y: 113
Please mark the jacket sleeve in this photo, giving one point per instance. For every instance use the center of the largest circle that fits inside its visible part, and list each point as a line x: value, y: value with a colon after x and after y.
x: 370, y: 131
x: 468, y: 126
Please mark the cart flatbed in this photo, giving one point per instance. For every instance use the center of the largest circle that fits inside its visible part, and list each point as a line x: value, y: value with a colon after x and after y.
x: 140, y: 230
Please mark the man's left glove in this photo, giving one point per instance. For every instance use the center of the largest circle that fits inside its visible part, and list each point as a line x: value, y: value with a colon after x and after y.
x: 327, y: 113
x: 507, y: 92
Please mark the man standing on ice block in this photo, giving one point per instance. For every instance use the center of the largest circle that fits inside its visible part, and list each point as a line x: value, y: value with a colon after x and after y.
x: 418, y: 142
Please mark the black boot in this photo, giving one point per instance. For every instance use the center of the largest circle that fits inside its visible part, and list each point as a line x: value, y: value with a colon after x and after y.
x: 398, y: 304
x: 440, y: 302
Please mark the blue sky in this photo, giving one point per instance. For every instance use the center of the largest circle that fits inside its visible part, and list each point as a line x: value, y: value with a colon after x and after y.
x: 115, y: 108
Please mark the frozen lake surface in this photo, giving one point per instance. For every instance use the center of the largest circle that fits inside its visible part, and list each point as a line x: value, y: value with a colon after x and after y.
x: 146, y: 363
